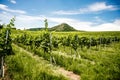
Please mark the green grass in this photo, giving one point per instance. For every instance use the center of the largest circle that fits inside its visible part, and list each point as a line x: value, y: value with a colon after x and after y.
x: 106, y: 62
x: 22, y: 66
x: 102, y: 64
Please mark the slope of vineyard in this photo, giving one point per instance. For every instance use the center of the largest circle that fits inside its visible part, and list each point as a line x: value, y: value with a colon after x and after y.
x: 92, y: 58
x: 90, y: 55
x: 93, y: 64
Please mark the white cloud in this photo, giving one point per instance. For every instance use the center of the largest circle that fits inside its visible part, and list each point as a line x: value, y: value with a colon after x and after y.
x: 13, y: 1
x: 99, y: 6
x: 113, y: 26
x: 107, y: 27
x: 62, y: 12
x: 26, y: 21
x: 5, y: 8
x: 29, y: 18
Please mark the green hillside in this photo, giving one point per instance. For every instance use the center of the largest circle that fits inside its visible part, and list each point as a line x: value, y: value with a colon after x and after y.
x: 62, y: 27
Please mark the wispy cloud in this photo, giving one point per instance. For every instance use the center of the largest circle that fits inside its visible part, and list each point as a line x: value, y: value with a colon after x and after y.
x: 62, y: 12
x: 13, y: 1
x: 5, y: 8
x: 98, y: 20
x: 95, y: 7
x: 30, y: 18
x: 99, y: 6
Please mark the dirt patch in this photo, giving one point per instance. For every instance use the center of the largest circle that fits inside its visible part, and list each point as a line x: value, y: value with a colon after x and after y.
x: 69, y: 74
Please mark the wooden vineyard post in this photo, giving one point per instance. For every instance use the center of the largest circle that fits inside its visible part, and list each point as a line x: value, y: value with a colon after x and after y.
x: 71, y: 49
x: 105, y: 47
x: 50, y: 48
x: 77, y: 48
x: 51, y: 57
x: 114, y: 42
x: 90, y: 44
x: 100, y: 44
x: 2, y: 58
x: 2, y: 67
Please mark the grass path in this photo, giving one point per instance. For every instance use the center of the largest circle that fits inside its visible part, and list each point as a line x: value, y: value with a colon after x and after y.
x: 59, y: 70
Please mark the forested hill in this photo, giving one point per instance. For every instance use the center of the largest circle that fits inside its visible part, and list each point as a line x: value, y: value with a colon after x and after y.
x: 60, y: 27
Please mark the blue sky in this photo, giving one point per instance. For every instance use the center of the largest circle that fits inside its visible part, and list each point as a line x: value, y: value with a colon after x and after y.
x: 89, y: 15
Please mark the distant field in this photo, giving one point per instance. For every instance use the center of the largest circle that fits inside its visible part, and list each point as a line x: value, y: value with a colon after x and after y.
x: 87, y: 34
